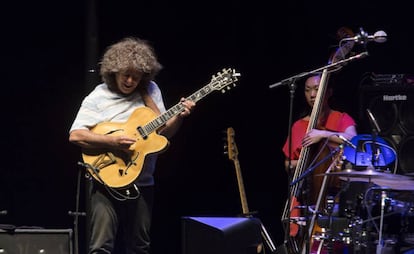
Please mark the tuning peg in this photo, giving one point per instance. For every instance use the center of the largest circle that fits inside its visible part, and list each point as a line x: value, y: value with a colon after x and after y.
x: 225, y: 149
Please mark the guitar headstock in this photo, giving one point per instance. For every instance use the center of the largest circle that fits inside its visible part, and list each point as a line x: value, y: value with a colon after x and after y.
x: 222, y: 80
x: 232, y: 150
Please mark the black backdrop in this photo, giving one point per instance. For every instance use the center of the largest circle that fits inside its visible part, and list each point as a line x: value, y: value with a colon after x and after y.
x: 46, y: 56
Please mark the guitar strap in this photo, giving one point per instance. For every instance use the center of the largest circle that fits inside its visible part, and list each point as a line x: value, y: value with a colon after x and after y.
x: 149, y: 102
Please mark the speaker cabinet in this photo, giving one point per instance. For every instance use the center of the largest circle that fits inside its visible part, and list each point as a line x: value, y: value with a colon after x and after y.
x: 25, y: 241
x: 221, y: 235
x: 393, y: 108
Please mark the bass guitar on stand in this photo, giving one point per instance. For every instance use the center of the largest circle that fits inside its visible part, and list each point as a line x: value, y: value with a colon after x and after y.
x: 232, y: 153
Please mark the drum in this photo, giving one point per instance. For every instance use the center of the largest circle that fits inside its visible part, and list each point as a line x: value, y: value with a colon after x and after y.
x: 320, y: 245
x: 367, y: 145
x: 405, y: 209
x: 353, y: 200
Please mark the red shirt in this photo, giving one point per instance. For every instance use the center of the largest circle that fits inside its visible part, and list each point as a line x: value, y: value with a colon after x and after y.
x: 337, y: 122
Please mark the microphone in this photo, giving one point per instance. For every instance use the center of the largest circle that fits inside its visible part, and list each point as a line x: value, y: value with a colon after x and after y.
x: 346, y: 141
x: 373, y: 121
x: 363, y: 37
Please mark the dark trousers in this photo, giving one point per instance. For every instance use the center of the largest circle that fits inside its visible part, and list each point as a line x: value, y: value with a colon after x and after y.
x: 120, y: 227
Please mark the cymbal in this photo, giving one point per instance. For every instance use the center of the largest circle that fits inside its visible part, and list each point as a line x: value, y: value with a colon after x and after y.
x: 400, y: 184
x: 349, y: 173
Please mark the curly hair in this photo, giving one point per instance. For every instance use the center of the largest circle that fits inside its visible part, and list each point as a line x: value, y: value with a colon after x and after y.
x: 129, y: 53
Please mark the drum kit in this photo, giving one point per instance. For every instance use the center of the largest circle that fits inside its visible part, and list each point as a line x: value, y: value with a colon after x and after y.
x: 373, y: 212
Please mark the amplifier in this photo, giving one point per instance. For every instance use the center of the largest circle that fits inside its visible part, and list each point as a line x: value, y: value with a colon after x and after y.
x: 392, y: 106
x: 221, y: 235
x: 23, y: 241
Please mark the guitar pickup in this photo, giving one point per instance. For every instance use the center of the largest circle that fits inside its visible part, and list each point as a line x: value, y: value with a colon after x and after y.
x: 142, y: 132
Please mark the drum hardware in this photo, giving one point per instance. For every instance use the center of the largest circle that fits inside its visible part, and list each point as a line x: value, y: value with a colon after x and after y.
x: 329, y: 240
x: 356, y: 235
x: 394, y: 220
x: 380, y: 244
x: 330, y: 203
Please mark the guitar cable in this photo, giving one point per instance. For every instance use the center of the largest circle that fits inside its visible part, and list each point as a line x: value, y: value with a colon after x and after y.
x: 112, y: 191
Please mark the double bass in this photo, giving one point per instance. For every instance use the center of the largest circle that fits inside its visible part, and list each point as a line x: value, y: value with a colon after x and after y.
x: 298, y: 238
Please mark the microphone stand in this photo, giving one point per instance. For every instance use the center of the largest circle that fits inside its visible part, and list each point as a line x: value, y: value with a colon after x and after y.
x: 292, y: 89
x: 329, y: 66
x: 375, y: 149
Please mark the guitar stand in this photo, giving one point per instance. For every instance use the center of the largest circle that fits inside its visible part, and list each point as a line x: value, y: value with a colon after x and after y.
x: 265, y: 235
x: 267, y: 239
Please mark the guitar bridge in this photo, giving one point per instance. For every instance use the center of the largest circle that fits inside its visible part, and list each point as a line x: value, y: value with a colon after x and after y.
x: 121, y: 172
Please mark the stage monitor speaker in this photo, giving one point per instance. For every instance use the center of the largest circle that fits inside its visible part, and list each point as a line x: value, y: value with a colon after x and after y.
x: 33, y: 241
x: 392, y: 107
x: 221, y: 235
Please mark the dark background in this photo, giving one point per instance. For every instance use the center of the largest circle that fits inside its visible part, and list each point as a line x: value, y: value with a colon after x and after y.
x: 48, y: 48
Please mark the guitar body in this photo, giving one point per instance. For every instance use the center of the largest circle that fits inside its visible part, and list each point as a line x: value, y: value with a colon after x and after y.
x: 117, y: 168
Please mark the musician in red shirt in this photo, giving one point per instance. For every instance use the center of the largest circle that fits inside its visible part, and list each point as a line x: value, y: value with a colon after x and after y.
x: 331, y: 123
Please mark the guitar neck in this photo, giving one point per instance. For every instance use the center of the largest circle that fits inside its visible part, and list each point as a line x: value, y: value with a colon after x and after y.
x: 173, y: 111
x: 243, y: 199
